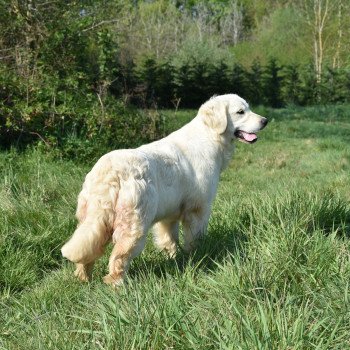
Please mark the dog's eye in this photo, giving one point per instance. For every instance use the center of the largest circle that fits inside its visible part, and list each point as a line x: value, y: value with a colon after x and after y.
x: 241, y: 111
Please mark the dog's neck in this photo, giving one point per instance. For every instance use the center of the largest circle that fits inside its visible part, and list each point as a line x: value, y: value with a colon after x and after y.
x: 222, y: 146
x: 227, y: 148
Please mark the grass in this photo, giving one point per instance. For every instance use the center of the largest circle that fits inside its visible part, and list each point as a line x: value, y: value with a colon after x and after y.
x: 272, y: 273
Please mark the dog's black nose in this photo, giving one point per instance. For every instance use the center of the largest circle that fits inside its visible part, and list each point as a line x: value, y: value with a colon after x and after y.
x: 264, y: 122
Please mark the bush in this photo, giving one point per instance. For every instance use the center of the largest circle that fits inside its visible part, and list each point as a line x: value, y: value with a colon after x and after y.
x: 72, y: 119
x: 118, y: 127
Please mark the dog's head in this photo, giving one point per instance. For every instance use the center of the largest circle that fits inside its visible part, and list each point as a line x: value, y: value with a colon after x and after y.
x: 230, y: 115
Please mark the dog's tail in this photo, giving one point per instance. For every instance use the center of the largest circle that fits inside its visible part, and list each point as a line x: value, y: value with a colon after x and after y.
x: 91, y: 236
x: 88, y: 241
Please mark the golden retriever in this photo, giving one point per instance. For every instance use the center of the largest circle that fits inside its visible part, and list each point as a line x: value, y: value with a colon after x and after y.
x: 159, y: 184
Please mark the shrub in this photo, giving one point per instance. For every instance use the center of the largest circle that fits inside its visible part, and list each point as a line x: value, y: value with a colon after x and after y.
x: 72, y: 119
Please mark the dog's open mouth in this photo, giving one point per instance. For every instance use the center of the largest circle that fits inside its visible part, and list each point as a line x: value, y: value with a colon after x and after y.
x: 246, y: 137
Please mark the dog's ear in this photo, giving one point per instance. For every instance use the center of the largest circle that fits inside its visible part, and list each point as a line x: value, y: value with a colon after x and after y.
x: 214, y: 115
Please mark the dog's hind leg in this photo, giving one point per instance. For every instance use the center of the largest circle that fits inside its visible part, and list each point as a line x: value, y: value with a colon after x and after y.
x: 127, y: 246
x: 135, y: 212
x: 129, y: 238
x: 166, y: 236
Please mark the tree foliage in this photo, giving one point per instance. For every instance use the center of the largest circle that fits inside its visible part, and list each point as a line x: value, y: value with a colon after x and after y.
x: 67, y: 69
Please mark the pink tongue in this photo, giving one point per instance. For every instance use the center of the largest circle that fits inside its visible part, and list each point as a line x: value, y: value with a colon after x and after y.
x: 249, y: 137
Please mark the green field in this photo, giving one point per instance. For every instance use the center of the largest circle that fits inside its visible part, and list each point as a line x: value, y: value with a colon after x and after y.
x: 272, y: 273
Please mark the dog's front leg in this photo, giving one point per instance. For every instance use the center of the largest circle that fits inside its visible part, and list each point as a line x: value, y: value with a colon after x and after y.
x: 195, y: 225
x: 84, y: 271
x: 166, y: 236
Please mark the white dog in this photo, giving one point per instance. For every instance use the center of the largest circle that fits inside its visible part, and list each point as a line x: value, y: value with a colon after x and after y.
x: 159, y: 184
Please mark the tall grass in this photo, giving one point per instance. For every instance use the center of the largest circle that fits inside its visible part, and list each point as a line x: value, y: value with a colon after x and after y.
x: 272, y: 273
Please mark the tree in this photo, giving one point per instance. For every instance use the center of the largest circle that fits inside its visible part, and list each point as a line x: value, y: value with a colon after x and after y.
x: 219, y: 80
x: 148, y: 77
x: 166, y: 84
x: 272, y: 82
x: 231, y: 23
x: 239, y: 80
x: 324, y: 20
x: 333, y: 88
x: 255, y: 93
x: 309, y: 86
x: 192, y: 83
x: 291, y: 85
x: 184, y: 84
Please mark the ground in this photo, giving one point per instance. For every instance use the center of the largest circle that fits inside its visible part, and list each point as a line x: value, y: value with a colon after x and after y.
x: 272, y: 273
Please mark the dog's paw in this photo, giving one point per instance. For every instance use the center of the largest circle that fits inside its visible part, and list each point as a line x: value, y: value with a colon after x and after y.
x: 82, y: 274
x: 172, y: 252
x: 115, y: 281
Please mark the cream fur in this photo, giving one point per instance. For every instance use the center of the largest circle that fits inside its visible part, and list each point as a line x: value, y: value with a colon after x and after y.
x: 159, y: 184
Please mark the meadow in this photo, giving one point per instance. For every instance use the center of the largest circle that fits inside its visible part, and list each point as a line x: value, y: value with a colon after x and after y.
x: 273, y: 271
